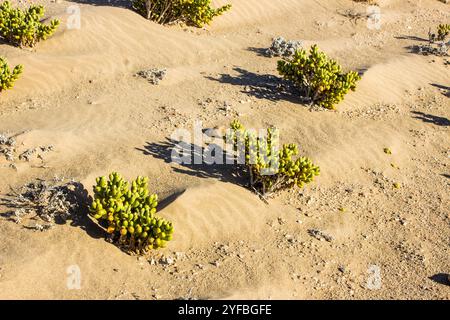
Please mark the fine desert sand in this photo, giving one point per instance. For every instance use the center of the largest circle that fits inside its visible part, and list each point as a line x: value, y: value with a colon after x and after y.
x: 79, y: 93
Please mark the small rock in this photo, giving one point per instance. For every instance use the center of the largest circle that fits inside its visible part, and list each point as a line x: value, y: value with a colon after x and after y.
x: 154, y: 76
x: 310, y: 200
x: 167, y: 260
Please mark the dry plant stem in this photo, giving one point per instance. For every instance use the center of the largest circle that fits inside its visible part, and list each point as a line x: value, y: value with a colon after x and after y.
x: 266, y: 193
x: 260, y: 195
x: 148, y: 6
x: 49, y: 202
x: 168, y: 6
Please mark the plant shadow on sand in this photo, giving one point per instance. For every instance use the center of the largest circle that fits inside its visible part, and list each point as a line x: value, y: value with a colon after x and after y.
x: 429, y: 118
x: 110, y: 3
x: 414, y: 38
x: 441, y: 278
x: 412, y: 48
x: 445, y: 89
x: 222, y: 172
x: 266, y: 86
x: 261, y: 86
x: 262, y: 52
x: 82, y: 218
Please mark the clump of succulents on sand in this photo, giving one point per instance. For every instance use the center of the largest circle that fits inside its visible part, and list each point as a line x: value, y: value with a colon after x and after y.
x: 8, y: 76
x: 443, y: 30
x: 24, y: 28
x: 130, y: 213
x: 320, y: 79
x: 437, y: 42
x: 192, y: 12
x: 270, y: 170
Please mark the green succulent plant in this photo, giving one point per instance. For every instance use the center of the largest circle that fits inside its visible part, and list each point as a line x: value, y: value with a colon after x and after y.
x: 271, y: 170
x: 8, y: 77
x: 443, y: 30
x: 194, y: 12
x: 319, y: 78
x: 24, y: 28
x: 130, y: 213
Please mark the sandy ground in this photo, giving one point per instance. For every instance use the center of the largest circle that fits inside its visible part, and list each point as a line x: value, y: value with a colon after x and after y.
x: 79, y: 94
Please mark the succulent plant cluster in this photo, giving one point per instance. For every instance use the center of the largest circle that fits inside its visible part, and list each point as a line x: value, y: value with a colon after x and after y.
x: 271, y: 170
x: 437, y: 44
x: 24, y: 27
x: 443, y: 30
x: 193, y: 12
x: 130, y: 213
x: 8, y: 76
x: 319, y: 78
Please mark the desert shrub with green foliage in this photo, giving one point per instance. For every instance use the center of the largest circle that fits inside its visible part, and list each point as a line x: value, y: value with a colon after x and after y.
x: 8, y: 77
x: 443, y: 30
x: 319, y: 78
x: 193, y: 12
x: 270, y: 169
x: 24, y: 28
x: 130, y: 213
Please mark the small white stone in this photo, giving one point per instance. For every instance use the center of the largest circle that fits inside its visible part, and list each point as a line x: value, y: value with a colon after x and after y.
x: 167, y: 260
